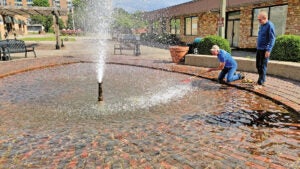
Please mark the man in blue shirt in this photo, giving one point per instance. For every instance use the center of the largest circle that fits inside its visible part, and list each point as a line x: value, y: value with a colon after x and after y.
x: 265, y: 42
x: 227, y: 65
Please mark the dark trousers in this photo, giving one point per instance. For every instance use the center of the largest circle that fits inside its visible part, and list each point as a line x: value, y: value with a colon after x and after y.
x: 261, y: 66
x: 230, y: 72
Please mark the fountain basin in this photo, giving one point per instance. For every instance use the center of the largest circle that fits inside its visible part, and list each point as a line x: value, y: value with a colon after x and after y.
x: 56, y: 113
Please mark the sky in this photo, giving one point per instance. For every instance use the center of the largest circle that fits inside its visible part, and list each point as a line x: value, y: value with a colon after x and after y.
x: 145, y: 5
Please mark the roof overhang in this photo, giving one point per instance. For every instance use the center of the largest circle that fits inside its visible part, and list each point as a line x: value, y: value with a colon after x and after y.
x: 25, y: 11
x: 196, y: 7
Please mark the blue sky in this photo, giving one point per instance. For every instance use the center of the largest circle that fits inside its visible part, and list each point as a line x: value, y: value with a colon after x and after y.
x: 145, y: 5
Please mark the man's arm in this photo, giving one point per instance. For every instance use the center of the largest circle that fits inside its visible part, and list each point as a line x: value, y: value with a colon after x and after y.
x: 271, y: 40
x: 220, y: 67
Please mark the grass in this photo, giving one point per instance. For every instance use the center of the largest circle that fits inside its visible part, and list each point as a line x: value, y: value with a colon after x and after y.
x: 48, y: 38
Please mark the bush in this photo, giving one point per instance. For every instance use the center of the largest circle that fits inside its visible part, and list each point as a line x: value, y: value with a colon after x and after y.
x: 206, y: 43
x: 70, y: 32
x: 286, y: 48
x: 167, y: 39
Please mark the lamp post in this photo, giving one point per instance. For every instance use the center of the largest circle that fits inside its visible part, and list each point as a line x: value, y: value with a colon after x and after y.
x: 56, y: 25
x: 73, y: 18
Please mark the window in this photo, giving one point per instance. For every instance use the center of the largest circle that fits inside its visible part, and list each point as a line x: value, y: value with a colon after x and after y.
x: 191, y: 25
x: 18, y: 3
x: 29, y: 2
x: 69, y: 4
x: 276, y: 14
x: 3, y: 2
x: 175, y: 26
x: 56, y: 3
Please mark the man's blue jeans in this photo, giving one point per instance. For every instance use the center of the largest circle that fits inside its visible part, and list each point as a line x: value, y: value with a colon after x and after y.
x: 230, y: 74
x: 261, y: 66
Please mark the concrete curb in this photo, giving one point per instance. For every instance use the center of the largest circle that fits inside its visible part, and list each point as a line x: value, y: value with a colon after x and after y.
x: 288, y: 70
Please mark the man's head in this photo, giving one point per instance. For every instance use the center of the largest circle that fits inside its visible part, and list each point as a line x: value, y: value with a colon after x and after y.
x: 215, y: 50
x: 262, y: 17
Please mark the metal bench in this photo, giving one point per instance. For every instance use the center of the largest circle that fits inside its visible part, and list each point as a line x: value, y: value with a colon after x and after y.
x: 9, y: 46
x: 128, y: 42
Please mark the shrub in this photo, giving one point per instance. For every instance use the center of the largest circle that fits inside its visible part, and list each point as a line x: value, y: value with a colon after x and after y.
x: 70, y: 32
x: 286, y: 48
x: 206, y: 43
x: 167, y: 39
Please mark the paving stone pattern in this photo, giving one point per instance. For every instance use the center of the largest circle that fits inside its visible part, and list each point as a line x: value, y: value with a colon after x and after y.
x: 149, y: 142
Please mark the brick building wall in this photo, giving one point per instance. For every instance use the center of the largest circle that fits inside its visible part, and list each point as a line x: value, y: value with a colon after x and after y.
x: 293, y: 17
x: 21, y: 28
x: 207, y: 23
x: 292, y: 23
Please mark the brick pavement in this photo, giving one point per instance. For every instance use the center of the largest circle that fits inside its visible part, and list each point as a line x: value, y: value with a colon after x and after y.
x: 149, y: 143
x: 280, y: 90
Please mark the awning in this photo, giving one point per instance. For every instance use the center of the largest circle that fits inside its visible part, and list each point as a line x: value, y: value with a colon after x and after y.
x: 25, y: 11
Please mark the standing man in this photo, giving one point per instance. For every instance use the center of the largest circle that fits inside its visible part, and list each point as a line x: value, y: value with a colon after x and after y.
x: 265, y: 43
x: 227, y: 65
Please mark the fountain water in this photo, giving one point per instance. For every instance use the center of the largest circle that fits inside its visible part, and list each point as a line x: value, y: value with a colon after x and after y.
x: 99, y: 14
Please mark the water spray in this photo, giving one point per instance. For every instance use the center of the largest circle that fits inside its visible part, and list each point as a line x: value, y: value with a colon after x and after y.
x: 98, y: 26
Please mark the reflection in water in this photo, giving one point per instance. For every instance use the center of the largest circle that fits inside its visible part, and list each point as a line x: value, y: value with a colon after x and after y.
x: 50, y: 118
x: 256, y: 118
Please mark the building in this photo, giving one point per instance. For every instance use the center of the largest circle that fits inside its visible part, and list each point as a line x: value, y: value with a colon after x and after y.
x: 12, y: 23
x: 200, y: 18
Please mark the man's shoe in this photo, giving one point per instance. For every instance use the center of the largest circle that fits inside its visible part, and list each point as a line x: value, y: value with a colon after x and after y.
x: 260, y: 83
x: 242, y: 76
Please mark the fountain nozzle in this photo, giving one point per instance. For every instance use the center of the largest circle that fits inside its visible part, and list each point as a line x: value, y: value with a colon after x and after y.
x: 100, y: 96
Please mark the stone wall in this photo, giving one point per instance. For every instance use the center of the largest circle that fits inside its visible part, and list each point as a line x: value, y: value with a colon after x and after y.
x: 207, y: 24
x: 292, y: 23
x: 288, y: 70
x: 293, y: 17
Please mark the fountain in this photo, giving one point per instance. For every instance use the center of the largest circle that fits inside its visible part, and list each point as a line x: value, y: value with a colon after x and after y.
x: 98, y: 27
x: 150, y: 119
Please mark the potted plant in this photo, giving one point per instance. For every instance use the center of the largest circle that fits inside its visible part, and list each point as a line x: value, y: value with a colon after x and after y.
x: 178, y: 52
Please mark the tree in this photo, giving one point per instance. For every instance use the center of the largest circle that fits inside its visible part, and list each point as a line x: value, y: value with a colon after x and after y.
x: 124, y: 22
x: 79, y: 14
x: 46, y: 21
x: 70, y: 21
x: 43, y: 3
x: 120, y: 20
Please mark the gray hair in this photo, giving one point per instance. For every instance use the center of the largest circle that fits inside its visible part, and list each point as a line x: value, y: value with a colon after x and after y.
x: 215, y: 48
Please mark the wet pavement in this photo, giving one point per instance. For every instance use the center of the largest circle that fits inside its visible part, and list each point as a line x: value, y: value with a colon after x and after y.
x: 179, y: 135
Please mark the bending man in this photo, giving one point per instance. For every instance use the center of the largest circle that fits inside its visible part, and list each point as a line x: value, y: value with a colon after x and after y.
x: 227, y: 65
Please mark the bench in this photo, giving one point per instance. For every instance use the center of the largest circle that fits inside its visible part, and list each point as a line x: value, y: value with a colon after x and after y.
x: 9, y: 46
x: 128, y: 42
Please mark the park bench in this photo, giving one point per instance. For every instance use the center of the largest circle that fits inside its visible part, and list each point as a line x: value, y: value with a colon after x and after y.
x: 128, y: 42
x: 9, y: 46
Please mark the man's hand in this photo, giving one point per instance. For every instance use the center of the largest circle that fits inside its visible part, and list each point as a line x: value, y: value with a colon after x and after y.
x: 209, y: 70
x: 267, y: 54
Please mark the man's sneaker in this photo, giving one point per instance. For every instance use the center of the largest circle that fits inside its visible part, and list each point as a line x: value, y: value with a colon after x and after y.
x: 242, y: 76
x: 260, y: 83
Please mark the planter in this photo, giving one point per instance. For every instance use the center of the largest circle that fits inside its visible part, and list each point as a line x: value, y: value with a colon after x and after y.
x: 178, y: 52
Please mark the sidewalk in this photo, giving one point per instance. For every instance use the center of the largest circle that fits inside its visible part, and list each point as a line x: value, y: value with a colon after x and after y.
x: 282, y: 91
